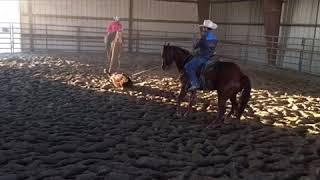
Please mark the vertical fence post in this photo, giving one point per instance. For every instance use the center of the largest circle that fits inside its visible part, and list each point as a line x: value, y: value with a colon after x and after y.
x: 166, y: 36
x: 31, y: 38
x: 301, y: 54
x: 272, y: 52
x: 130, y: 25
x: 46, y: 36
x: 137, y: 41
x: 78, y: 39
x: 268, y: 40
x: 312, y: 51
x: 314, y: 37
x: 281, y: 51
x: 30, y: 14
x: 11, y: 38
x: 194, y: 40
x: 276, y: 50
x: 246, y: 59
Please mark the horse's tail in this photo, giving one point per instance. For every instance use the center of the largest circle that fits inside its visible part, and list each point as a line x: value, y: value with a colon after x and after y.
x: 245, y: 95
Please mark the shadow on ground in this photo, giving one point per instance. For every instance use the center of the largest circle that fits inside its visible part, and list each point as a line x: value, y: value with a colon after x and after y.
x: 54, y: 130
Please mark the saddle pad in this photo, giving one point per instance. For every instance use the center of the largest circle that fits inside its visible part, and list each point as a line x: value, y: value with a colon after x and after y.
x: 206, y: 85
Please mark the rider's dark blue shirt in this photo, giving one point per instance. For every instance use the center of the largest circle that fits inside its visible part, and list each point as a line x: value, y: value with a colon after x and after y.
x: 207, y: 44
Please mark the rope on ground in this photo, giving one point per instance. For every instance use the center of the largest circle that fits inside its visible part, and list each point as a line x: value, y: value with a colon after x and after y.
x: 144, y: 71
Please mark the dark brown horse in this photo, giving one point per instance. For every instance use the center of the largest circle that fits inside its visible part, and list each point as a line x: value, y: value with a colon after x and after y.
x: 225, y: 77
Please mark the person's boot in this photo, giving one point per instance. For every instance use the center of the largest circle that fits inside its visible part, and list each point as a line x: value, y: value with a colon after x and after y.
x: 194, y: 88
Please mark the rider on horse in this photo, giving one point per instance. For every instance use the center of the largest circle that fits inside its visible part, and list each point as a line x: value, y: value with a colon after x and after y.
x: 207, y: 45
x: 112, y: 29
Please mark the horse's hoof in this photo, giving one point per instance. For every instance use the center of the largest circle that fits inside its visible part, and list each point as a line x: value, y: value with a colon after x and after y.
x: 209, y: 126
x: 186, y: 115
x: 179, y: 114
x: 212, y: 125
x: 227, y: 120
x: 220, y: 120
x: 237, y: 120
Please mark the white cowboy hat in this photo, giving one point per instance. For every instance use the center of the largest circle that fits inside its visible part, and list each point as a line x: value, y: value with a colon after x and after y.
x: 116, y: 18
x: 209, y: 24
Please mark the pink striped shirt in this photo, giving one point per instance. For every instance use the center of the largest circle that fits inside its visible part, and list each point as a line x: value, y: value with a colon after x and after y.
x: 115, y: 27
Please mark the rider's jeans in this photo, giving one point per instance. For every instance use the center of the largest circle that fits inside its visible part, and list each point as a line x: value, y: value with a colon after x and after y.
x: 191, y: 68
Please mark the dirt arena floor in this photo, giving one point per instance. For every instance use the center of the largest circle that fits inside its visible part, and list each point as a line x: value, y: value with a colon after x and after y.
x: 60, y: 119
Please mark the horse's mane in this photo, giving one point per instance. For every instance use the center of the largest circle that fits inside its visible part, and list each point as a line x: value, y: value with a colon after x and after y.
x: 182, y: 56
x: 181, y: 49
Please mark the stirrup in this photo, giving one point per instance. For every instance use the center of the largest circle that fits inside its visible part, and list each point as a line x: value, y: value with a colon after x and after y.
x: 193, y: 88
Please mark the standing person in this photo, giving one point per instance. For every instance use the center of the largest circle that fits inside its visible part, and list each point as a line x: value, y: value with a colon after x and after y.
x: 207, y: 45
x: 113, y: 28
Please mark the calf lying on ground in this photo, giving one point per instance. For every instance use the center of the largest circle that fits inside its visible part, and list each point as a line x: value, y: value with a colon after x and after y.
x: 120, y: 80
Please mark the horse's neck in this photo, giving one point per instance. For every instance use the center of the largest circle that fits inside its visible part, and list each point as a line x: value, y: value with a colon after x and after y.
x: 181, y: 61
x: 118, y: 37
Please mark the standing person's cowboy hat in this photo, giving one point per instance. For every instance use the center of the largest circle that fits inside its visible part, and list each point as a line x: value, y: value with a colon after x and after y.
x: 116, y: 18
x: 209, y: 24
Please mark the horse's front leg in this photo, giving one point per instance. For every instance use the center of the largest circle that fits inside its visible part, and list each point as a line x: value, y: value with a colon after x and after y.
x: 234, y: 108
x: 119, y: 55
x: 191, y: 101
x: 182, y: 94
x: 222, y: 100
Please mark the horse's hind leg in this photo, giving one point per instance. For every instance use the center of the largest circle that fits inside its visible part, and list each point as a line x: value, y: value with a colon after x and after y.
x: 119, y: 64
x: 119, y: 54
x: 108, y: 48
x: 221, y: 108
x: 234, y: 106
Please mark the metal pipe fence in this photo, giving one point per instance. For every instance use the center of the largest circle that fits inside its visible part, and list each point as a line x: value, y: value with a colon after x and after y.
x: 300, y: 54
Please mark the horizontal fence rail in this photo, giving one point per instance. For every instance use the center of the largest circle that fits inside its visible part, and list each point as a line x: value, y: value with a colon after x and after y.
x: 300, y: 54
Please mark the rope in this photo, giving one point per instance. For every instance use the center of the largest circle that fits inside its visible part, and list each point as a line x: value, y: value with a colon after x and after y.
x: 144, y: 71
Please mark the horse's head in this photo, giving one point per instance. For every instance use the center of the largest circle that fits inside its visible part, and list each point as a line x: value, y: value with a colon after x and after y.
x: 175, y: 54
x: 167, y: 58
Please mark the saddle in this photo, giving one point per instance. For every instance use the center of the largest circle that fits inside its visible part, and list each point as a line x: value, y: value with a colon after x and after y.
x: 211, y: 64
x: 208, y: 67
